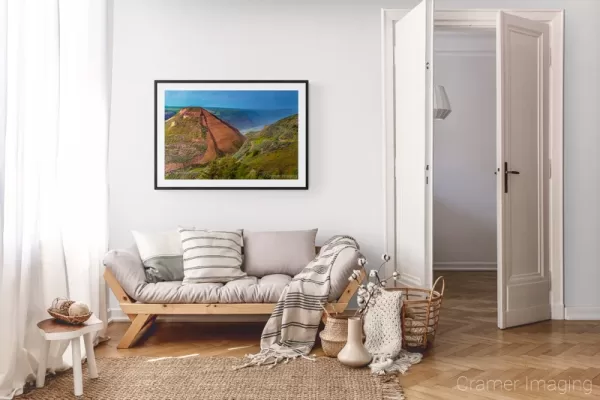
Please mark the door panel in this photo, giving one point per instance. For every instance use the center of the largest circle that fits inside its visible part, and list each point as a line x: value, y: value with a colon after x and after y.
x: 523, y: 160
x: 413, y: 75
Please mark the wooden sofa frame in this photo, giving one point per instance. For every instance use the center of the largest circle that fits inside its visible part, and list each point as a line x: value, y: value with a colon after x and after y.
x: 143, y: 315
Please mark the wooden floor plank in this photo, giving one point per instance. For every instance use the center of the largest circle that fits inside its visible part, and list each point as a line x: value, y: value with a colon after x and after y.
x: 469, y: 347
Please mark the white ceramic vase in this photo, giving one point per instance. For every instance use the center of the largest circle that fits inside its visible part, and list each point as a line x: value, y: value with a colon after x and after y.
x: 354, y: 354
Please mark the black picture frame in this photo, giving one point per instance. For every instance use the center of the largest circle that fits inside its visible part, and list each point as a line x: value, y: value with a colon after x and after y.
x: 304, y: 186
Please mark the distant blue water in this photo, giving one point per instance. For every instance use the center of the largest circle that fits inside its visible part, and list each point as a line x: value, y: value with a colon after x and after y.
x: 253, y: 129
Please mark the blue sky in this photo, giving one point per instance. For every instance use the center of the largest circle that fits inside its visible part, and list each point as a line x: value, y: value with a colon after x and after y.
x: 244, y: 99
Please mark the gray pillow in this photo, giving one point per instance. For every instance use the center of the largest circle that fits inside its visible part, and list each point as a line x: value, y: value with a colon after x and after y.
x: 287, y: 252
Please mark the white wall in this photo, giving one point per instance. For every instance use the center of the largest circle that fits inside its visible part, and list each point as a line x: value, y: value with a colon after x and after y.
x: 336, y: 45
x: 464, y: 184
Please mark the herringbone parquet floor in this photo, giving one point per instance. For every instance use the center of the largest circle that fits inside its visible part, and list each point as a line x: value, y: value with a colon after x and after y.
x: 471, y: 359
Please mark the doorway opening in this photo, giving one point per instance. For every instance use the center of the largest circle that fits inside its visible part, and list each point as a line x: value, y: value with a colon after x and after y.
x: 529, y: 50
x: 464, y: 219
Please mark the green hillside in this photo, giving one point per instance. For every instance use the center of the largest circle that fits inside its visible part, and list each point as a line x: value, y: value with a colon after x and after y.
x: 274, y: 150
x: 271, y: 153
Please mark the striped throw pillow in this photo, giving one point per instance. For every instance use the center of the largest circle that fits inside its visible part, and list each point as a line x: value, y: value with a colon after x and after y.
x: 211, y: 256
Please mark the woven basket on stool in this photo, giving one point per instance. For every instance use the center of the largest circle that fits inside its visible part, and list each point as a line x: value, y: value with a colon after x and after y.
x: 60, y: 311
x: 335, y: 335
x: 69, y: 319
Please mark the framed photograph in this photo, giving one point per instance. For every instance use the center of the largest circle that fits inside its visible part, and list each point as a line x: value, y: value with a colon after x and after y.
x: 231, y: 135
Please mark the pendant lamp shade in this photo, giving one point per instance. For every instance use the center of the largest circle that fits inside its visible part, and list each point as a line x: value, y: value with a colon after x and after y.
x: 441, y: 103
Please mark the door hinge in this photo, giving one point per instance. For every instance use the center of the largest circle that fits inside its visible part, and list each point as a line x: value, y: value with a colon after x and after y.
x: 427, y: 174
x: 427, y: 65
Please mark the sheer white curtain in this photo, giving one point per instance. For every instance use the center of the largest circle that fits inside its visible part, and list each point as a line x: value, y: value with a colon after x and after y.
x: 54, y: 113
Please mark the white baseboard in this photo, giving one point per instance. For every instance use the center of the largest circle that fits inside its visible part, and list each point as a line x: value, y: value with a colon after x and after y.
x: 557, y: 311
x: 116, y: 315
x: 465, y: 266
x: 582, y: 313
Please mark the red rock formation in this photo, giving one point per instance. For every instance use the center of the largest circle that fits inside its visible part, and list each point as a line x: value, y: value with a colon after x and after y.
x: 227, y: 138
x: 219, y: 137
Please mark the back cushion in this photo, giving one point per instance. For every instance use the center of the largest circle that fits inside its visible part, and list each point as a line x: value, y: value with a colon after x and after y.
x: 211, y: 256
x: 161, y: 255
x: 288, y: 252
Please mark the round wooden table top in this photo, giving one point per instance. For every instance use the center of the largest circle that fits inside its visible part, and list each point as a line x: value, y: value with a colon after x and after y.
x: 53, y: 328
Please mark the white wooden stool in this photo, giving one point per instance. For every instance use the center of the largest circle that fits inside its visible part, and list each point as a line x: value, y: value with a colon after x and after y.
x: 53, y: 330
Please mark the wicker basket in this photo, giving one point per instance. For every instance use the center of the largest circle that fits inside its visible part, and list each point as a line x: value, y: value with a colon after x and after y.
x: 420, y: 315
x: 335, y: 335
x: 65, y: 317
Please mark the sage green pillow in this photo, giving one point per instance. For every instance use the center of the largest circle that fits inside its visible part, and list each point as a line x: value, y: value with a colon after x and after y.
x: 161, y: 254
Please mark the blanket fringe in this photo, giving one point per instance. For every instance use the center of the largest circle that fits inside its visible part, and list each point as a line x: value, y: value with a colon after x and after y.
x: 384, y: 364
x: 273, y: 356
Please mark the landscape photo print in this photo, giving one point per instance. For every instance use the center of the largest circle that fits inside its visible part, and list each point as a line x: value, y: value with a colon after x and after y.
x: 231, y: 135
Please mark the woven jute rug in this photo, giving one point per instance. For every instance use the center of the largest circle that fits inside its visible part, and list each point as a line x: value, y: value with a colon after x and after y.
x: 214, y: 379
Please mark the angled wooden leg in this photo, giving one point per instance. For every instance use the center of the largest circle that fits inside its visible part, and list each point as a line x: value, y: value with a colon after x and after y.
x: 119, y: 292
x: 141, y: 322
x: 342, y: 303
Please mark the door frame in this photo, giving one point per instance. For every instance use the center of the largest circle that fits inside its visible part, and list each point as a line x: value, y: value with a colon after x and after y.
x: 485, y: 18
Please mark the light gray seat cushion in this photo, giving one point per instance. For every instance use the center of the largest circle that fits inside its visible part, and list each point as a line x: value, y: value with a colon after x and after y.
x: 127, y: 267
x: 249, y: 289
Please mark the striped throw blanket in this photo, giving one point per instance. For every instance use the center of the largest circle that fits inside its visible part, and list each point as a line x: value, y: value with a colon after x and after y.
x: 291, y: 330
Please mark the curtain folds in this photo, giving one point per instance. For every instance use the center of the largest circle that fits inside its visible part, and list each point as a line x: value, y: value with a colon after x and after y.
x: 54, y: 116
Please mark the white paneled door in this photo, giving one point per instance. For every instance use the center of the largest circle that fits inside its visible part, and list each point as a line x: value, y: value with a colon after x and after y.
x: 413, y: 93
x: 523, y: 62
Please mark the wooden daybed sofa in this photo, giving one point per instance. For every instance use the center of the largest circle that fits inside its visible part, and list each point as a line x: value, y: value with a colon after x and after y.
x: 143, y: 302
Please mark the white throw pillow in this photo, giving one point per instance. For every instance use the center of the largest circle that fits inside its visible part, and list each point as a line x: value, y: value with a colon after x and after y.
x: 161, y: 254
x: 211, y: 255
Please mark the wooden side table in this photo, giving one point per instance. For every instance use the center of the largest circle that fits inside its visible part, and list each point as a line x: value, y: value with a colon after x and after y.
x: 54, y: 330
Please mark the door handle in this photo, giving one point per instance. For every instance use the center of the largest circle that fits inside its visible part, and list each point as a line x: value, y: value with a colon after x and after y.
x: 506, y: 173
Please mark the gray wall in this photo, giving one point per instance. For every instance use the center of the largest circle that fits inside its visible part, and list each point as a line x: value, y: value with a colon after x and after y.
x: 336, y: 45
